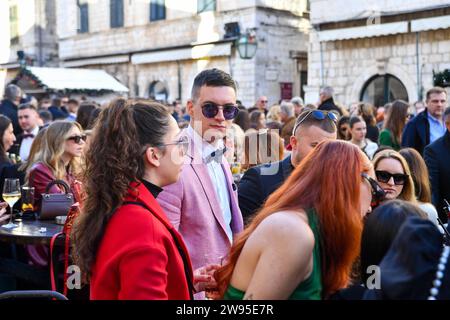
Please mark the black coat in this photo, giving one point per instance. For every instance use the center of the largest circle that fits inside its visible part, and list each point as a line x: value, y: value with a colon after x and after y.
x: 258, y: 183
x: 417, y: 132
x: 437, y: 158
x: 60, y: 113
x: 328, y: 105
x: 373, y: 133
x: 9, y: 109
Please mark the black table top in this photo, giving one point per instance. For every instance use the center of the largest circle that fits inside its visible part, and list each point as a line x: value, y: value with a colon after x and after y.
x: 31, y: 232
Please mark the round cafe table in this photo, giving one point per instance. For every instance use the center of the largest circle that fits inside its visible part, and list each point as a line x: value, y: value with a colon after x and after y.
x: 31, y: 232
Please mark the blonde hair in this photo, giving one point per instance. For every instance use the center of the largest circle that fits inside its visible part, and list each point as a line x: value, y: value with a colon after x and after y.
x: 408, y: 192
x: 274, y: 114
x: 52, y: 149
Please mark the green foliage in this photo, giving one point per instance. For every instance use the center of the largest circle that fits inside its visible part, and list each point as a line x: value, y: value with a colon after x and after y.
x: 441, y: 79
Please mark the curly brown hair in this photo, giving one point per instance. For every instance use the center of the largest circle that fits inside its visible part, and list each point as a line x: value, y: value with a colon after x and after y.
x: 113, y: 161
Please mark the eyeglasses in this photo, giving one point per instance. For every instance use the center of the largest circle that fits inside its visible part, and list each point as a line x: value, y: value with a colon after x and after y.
x: 378, y: 194
x: 384, y: 176
x: 77, y: 139
x: 211, y: 109
x: 183, y: 142
x: 318, y: 115
x: 264, y: 101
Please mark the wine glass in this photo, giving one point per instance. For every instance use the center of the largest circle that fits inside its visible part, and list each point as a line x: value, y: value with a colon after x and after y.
x: 11, y: 194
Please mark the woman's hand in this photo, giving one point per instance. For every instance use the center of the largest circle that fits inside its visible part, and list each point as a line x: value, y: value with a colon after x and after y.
x: 3, y: 216
x: 204, y: 278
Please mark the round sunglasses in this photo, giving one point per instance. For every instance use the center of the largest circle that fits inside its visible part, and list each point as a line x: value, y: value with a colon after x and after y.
x: 384, y: 176
x: 211, y: 109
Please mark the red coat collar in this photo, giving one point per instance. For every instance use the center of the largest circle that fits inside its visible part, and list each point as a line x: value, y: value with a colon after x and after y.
x: 138, y: 192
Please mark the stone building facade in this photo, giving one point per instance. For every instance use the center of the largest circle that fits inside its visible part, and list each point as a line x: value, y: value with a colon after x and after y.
x: 30, y: 27
x: 377, y: 51
x: 158, y: 54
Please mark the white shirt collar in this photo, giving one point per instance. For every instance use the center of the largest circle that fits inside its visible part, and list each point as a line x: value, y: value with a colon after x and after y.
x: 205, y: 148
x: 34, y: 132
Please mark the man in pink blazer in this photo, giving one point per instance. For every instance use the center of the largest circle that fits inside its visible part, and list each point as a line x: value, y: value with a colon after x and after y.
x: 203, y: 204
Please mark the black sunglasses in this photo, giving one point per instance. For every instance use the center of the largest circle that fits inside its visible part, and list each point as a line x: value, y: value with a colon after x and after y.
x: 211, y: 109
x: 77, y: 139
x: 378, y: 194
x: 384, y: 176
x: 318, y: 115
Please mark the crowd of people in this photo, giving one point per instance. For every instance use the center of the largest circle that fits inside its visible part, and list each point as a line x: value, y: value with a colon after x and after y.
x: 218, y: 201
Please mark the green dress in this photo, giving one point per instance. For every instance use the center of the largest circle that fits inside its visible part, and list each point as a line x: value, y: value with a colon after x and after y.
x: 385, y: 139
x: 309, y: 289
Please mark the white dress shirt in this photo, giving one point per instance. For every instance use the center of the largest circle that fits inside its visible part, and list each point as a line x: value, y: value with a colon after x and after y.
x: 217, y: 176
x: 26, y: 143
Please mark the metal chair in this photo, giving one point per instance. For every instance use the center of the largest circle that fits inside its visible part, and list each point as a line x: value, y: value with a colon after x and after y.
x: 32, y: 294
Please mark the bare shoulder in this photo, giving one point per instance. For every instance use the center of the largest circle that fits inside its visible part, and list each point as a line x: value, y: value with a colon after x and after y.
x: 286, y: 228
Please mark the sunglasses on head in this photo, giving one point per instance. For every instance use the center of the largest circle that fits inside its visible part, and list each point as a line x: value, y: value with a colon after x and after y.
x: 211, y: 109
x: 378, y: 194
x: 384, y: 176
x: 77, y: 139
x: 318, y: 115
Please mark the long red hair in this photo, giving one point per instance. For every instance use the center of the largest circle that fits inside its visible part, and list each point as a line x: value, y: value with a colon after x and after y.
x: 328, y: 179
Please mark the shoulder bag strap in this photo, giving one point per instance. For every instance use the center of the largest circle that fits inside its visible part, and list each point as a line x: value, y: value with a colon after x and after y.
x: 52, y: 268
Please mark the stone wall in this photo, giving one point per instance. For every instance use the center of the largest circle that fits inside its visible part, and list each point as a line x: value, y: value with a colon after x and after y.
x: 37, y: 32
x: 331, y: 11
x: 349, y: 64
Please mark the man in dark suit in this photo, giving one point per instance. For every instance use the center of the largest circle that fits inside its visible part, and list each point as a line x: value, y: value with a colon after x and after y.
x: 427, y: 126
x: 437, y: 158
x: 258, y: 183
x: 327, y: 101
x: 8, y: 107
x: 57, y: 109
x: 29, y: 122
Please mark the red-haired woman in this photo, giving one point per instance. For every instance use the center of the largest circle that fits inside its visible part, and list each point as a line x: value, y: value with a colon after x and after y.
x: 302, y: 243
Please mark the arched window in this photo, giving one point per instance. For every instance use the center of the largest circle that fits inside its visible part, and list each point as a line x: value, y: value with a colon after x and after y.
x: 158, y: 91
x: 382, y: 89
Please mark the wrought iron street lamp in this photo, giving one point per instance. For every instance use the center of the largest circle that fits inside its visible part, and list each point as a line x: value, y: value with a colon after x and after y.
x: 247, y: 44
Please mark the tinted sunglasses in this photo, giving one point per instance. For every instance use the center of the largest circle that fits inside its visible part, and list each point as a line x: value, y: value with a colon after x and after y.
x: 384, y: 176
x: 378, y: 194
x: 211, y: 109
x: 77, y: 139
x: 318, y: 115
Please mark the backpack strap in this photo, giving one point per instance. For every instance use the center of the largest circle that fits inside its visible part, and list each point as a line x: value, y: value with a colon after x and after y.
x: 187, y: 270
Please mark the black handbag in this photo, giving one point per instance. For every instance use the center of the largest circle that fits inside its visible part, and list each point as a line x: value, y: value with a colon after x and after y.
x: 56, y: 204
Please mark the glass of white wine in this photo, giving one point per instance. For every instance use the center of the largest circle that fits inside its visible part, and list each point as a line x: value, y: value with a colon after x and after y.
x: 11, y: 194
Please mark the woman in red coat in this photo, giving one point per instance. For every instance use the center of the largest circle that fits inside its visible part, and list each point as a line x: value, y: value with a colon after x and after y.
x: 123, y: 241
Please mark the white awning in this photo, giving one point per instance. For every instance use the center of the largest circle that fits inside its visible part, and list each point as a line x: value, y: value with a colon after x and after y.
x: 77, y: 79
x: 192, y: 53
x: 430, y: 24
x: 10, y: 65
x: 373, y: 30
x: 104, y: 60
